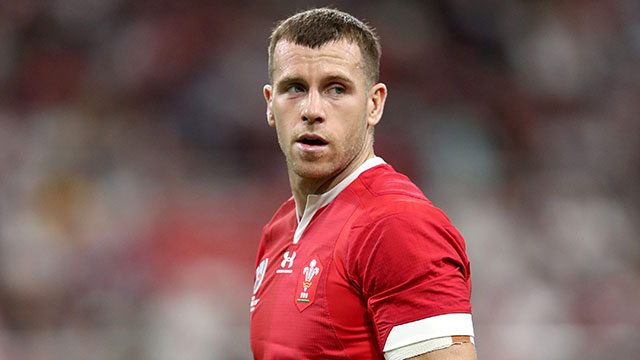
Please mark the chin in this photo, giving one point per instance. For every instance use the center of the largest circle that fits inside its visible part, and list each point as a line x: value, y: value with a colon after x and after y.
x: 312, y: 170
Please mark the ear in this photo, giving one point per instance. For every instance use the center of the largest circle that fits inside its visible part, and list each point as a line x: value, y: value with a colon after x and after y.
x: 268, y: 97
x: 375, y: 103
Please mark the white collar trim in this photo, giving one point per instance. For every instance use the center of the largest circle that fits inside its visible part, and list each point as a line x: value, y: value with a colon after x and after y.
x: 317, y: 202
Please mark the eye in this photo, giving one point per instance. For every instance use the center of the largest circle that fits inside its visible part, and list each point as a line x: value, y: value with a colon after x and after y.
x: 336, y: 90
x: 295, y: 88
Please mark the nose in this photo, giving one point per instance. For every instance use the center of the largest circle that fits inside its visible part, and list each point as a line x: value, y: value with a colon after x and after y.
x: 312, y: 109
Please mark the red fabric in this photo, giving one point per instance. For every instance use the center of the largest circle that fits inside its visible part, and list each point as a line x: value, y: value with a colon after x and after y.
x: 388, y: 257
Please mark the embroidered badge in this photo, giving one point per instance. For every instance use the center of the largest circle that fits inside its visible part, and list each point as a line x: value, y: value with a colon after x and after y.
x: 308, y: 283
x: 260, y: 272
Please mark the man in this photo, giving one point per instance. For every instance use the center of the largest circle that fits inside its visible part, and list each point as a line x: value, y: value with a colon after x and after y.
x: 358, y: 264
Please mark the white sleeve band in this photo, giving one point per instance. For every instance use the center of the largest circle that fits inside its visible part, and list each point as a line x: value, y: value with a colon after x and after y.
x: 458, y: 324
x: 422, y: 347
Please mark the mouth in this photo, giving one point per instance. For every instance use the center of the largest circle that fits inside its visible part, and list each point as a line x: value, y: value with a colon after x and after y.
x: 311, y: 142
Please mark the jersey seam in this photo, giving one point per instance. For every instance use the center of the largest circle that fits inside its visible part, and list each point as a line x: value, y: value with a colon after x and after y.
x: 346, y: 259
x: 335, y: 332
x: 368, y: 295
x: 362, y: 211
x: 372, y: 224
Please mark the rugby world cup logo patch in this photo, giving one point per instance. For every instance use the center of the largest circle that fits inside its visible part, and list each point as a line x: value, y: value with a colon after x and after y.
x: 260, y: 272
x: 308, y: 283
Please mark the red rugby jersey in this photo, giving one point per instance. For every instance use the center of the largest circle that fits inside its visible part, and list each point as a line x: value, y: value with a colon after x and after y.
x: 378, y: 256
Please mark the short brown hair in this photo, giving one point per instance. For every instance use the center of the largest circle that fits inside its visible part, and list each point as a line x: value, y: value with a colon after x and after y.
x: 316, y: 27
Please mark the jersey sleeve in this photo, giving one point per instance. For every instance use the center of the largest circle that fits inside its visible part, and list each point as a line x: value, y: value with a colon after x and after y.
x: 414, y: 274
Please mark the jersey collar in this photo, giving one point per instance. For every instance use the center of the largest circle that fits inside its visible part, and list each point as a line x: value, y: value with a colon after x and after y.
x: 316, y: 202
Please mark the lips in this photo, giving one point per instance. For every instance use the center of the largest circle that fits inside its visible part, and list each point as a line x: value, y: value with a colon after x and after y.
x: 311, y: 142
x: 311, y: 139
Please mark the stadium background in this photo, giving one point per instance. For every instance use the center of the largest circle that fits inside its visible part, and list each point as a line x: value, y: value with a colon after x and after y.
x: 137, y: 169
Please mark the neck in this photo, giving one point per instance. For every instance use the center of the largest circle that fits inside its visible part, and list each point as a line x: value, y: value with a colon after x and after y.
x: 302, y: 187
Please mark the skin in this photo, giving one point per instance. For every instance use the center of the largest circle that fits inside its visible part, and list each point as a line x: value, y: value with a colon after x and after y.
x: 455, y: 352
x: 323, y: 93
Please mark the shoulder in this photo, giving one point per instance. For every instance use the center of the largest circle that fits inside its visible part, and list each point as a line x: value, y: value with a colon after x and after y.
x: 395, y: 217
x: 384, y: 180
x: 386, y: 196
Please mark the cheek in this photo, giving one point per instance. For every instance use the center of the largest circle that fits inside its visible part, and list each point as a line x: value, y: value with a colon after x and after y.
x: 353, y: 130
x: 281, y: 131
x: 357, y: 120
x: 284, y: 113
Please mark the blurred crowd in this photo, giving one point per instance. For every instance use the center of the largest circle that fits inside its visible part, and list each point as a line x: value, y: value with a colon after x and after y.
x: 137, y: 169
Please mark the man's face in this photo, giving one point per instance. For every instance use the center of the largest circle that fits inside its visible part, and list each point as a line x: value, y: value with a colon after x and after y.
x: 322, y: 108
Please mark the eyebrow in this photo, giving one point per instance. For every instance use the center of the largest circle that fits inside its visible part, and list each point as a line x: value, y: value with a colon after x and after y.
x: 289, y: 80
x: 333, y: 78
x: 330, y: 78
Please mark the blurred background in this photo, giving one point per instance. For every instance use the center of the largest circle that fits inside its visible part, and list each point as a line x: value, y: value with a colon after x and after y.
x: 137, y: 169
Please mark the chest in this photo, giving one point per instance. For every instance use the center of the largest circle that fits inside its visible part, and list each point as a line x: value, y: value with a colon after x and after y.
x: 291, y: 308
x: 291, y: 276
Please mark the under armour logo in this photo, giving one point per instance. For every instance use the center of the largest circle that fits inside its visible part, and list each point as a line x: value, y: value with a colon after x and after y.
x: 288, y: 259
x: 287, y: 263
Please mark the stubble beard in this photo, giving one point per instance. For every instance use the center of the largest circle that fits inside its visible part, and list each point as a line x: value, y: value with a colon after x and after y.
x: 324, y: 167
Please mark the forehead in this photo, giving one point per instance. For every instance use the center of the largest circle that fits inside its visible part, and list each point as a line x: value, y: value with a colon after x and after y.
x: 290, y: 59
